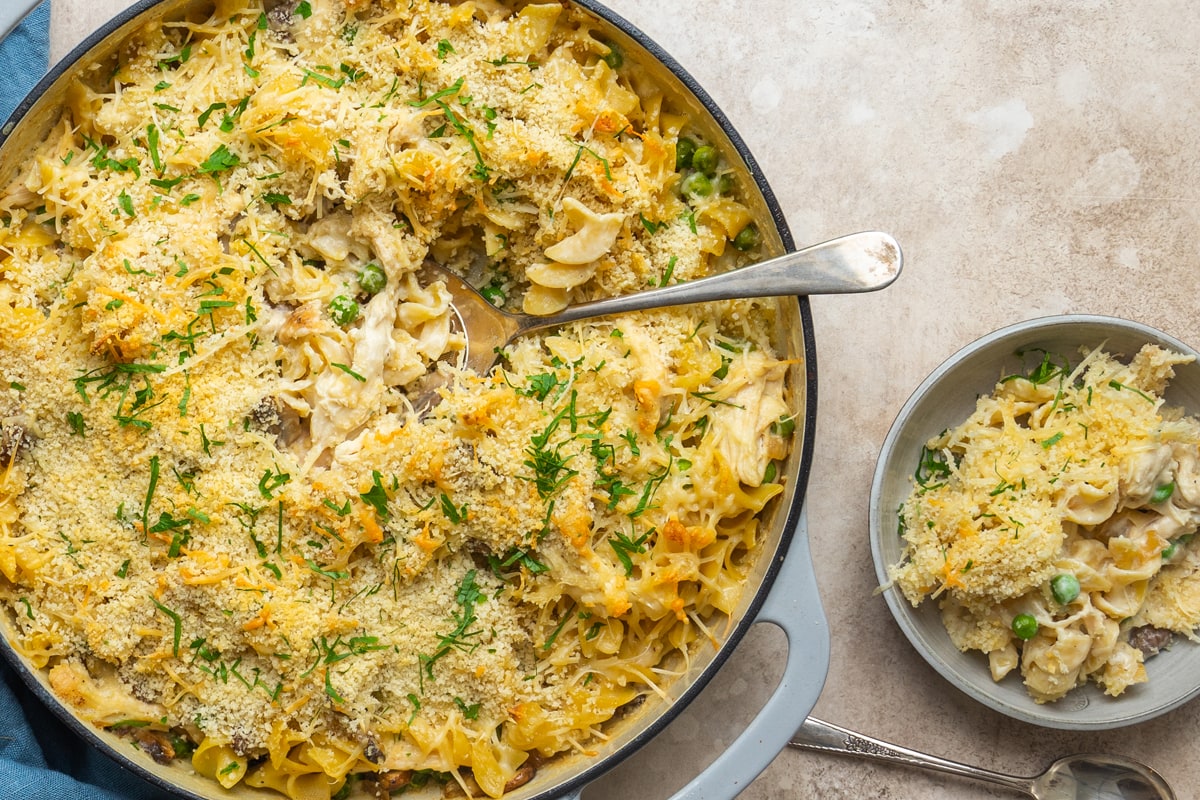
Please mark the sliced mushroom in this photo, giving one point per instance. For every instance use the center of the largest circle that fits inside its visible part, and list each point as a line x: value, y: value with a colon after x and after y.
x: 156, y: 744
x: 14, y: 439
x: 1150, y: 639
x: 522, y: 776
x: 382, y: 785
x: 265, y: 416
x: 282, y: 16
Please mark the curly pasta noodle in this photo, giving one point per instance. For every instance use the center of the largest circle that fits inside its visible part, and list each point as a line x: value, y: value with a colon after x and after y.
x: 225, y: 529
x: 1053, y: 524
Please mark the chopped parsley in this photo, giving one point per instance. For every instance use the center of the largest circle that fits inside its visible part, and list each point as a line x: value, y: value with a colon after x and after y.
x: 220, y: 160
x: 377, y: 497
x: 463, y: 637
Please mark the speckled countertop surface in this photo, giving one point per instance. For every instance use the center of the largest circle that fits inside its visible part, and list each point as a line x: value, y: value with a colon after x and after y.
x: 1031, y: 158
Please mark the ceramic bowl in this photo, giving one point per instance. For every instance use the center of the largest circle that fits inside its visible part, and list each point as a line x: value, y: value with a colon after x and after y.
x: 946, y: 398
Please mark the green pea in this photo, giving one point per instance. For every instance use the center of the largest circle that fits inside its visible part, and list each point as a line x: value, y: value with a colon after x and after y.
x: 771, y: 472
x: 685, y: 149
x: 1064, y: 587
x: 493, y: 294
x: 372, y: 279
x: 1174, y: 545
x: 614, y: 57
x: 343, y: 309
x: 725, y: 183
x: 1162, y: 493
x: 705, y: 159
x: 696, y: 185
x: 747, y: 238
x: 1025, y: 626
x: 785, y: 426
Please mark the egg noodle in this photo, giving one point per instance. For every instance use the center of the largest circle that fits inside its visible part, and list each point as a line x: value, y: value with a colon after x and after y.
x: 1053, y: 524
x: 232, y: 524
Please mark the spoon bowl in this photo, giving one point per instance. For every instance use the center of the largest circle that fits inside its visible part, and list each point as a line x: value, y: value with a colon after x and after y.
x: 1077, y: 777
x: 859, y: 262
x: 1099, y: 776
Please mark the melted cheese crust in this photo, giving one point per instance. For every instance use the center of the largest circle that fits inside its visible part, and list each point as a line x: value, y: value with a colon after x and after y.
x: 220, y: 513
x: 1066, y: 474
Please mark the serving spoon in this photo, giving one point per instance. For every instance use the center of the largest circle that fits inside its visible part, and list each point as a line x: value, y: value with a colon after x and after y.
x: 1077, y: 777
x: 859, y: 262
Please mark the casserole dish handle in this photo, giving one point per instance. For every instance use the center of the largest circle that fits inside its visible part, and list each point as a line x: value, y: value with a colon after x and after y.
x: 794, y: 606
x: 12, y: 12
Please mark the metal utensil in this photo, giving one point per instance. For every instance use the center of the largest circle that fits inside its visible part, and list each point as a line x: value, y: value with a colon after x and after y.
x: 1077, y: 777
x: 859, y: 262
x: 778, y: 591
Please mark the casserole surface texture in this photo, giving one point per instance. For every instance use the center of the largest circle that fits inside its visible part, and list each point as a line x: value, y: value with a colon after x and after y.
x: 1052, y: 524
x: 229, y: 525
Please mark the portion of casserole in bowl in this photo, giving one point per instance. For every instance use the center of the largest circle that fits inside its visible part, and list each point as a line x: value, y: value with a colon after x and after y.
x: 1033, y: 518
x: 228, y: 528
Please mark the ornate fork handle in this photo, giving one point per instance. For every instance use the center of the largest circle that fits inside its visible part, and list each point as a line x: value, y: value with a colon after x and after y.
x: 814, y: 734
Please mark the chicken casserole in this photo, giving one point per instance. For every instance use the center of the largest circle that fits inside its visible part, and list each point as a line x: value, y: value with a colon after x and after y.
x: 226, y: 529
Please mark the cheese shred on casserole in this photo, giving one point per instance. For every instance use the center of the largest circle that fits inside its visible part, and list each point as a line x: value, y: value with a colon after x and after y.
x: 1053, y: 525
x: 230, y: 523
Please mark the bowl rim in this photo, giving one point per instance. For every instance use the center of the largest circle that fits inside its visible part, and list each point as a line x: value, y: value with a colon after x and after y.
x: 903, y: 612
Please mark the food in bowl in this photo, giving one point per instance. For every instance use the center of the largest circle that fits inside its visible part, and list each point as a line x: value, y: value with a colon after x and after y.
x: 1053, y: 525
x: 228, y: 525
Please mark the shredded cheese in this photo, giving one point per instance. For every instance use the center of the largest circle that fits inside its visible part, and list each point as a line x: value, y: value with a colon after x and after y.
x: 221, y: 517
x: 1052, y: 524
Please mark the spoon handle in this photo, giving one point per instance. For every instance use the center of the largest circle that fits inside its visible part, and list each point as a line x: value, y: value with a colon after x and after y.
x: 814, y: 734
x: 858, y: 262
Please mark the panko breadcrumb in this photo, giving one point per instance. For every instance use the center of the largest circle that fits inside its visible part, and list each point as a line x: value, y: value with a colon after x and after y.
x: 234, y: 525
x: 1055, y: 520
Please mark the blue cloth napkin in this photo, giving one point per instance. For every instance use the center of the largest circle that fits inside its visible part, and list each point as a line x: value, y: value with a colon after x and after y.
x: 24, y: 56
x: 40, y: 758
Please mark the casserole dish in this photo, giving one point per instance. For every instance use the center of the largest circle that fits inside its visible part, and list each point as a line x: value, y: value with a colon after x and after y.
x: 93, y: 62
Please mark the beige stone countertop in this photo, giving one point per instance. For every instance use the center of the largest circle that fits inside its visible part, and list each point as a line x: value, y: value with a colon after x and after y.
x: 1031, y: 158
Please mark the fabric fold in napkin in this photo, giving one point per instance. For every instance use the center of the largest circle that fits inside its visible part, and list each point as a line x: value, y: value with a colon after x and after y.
x: 40, y: 758
x: 24, y: 56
